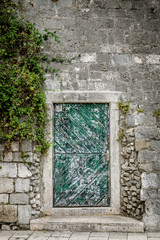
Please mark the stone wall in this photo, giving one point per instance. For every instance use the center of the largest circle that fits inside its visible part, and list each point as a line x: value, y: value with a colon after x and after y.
x: 140, y: 161
x: 131, y: 201
x: 20, y: 185
x: 119, y: 47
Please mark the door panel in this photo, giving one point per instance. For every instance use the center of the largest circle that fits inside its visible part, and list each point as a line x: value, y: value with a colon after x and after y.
x: 81, y: 155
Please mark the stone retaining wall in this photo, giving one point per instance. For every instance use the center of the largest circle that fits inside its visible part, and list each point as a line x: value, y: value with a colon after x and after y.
x: 20, y: 184
x: 140, y: 162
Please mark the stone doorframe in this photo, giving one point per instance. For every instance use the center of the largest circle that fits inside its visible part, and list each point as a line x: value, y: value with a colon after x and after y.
x: 84, y: 97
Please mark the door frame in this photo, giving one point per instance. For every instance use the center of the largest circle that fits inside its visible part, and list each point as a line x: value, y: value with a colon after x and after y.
x: 84, y: 97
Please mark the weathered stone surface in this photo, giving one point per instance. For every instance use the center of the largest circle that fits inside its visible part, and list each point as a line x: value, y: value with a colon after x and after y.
x: 147, y: 167
x: 17, y: 157
x: 153, y: 59
x: 3, y: 198
x: 88, y: 57
x: 149, y: 193
x: 141, y: 145
x: 146, y: 133
x: 6, y: 185
x: 22, y: 185
x: 15, y: 146
x: 19, y: 198
x: 8, y: 170
x: 24, y: 214
x: 135, y: 119
x: 8, y: 213
x: 149, y: 180
x: 23, y: 171
x: 147, y: 156
x: 26, y: 146
x: 151, y: 221
x: 155, y: 145
x: 8, y: 156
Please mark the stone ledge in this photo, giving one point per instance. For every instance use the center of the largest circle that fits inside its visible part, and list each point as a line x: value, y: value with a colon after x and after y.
x: 81, y: 211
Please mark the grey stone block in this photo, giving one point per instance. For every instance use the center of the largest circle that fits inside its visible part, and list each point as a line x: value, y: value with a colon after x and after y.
x: 6, y: 185
x: 19, y: 198
x: 8, y: 156
x: 126, y: 4
x: 88, y: 57
x: 149, y: 180
x: 135, y: 119
x: 3, y: 198
x: 22, y: 185
x: 153, y: 59
x: 8, y: 170
x: 15, y: 146
x: 23, y: 171
x: 151, y: 222
x: 147, y: 156
x: 147, y: 167
x: 155, y: 145
x: 146, y: 133
x: 153, y: 206
x: 17, y: 157
x: 26, y: 146
x: 8, y: 213
x: 24, y: 214
x: 67, y: 3
x: 53, y: 23
x: 156, y: 166
x: 149, y: 194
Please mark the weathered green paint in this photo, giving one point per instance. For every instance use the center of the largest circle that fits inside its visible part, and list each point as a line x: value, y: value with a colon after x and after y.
x: 81, y: 155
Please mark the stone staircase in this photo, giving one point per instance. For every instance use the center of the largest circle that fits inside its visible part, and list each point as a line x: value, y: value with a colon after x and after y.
x: 100, y: 222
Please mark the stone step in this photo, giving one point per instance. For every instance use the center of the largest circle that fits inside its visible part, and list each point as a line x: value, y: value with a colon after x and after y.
x: 112, y: 223
x: 81, y: 211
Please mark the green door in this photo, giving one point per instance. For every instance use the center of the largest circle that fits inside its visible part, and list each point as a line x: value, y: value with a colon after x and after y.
x: 81, y: 155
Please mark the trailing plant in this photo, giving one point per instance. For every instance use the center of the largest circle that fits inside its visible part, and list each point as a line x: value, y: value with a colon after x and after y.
x: 157, y: 112
x: 23, y: 111
x: 123, y: 107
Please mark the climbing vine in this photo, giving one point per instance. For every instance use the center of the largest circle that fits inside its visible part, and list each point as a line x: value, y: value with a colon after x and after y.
x: 23, y: 112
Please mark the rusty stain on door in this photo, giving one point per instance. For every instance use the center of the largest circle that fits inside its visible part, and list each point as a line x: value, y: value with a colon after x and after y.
x: 81, y: 155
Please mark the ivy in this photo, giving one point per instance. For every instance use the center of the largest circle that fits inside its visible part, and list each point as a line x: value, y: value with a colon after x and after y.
x: 23, y: 111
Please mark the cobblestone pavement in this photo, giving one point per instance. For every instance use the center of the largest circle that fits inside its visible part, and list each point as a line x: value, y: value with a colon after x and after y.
x: 50, y: 235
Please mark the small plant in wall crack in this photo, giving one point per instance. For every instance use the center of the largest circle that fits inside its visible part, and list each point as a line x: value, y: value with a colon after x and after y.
x: 121, y: 136
x: 123, y: 107
x: 139, y: 110
x: 157, y: 112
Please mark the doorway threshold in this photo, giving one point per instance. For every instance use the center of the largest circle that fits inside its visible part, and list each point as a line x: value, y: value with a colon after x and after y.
x: 81, y: 211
